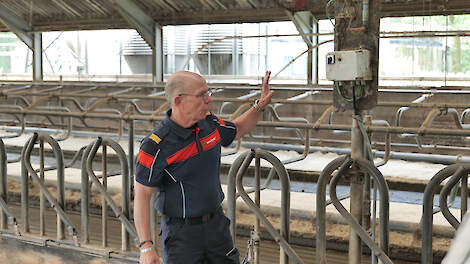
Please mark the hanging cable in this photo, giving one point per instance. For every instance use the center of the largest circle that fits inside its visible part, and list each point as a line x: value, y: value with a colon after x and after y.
x: 330, y: 2
x: 357, y: 91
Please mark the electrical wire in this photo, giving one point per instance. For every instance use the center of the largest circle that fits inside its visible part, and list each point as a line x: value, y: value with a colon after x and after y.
x: 330, y: 2
x: 357, y: 92
x: 354, y: 102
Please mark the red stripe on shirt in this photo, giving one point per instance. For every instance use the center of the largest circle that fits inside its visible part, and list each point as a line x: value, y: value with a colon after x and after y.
x: 145, y: 159
x: 183, y: 154
x: 221, y: 121
x: 211, y: 140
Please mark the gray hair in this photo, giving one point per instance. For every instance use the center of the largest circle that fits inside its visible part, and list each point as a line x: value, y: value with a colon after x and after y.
x: 178, y: 82
x: 173, y: 87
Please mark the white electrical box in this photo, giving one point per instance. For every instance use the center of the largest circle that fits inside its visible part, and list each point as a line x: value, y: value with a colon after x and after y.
x: 348, y: 65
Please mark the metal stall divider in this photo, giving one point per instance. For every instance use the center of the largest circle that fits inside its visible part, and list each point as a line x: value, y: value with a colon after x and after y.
x: 59, y: 204
x: 343, y: 163
x: 123, y: 214
x: 455, y: 172
x: 5, y: 215
x: 239, y: 167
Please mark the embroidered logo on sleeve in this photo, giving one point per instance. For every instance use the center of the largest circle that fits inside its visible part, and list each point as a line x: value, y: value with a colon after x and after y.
x: 211, y: 140
x: 145, y: 159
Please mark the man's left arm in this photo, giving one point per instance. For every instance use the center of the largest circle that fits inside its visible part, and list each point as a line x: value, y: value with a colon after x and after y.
x: 247, y: 121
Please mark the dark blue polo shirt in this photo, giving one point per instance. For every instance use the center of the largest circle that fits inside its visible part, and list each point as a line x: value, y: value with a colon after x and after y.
x: 184, y: 165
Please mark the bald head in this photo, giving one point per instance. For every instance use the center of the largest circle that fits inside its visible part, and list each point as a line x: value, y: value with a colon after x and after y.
x: 181, y: 82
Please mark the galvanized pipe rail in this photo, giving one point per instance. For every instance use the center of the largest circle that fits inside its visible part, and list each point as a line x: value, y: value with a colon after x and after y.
x: 5, y: 214
x: 448, y: 187
x: 382, y: 251
x: 343, y: 163
x: 20, y: 120
x: 123, y: 214
x: 455, y: 172
x: 391, y: 129
x: 124, y: 98
x: 272, y: 171
x: 224, y: 99
x: 59, y: 204
x: 243, y: 161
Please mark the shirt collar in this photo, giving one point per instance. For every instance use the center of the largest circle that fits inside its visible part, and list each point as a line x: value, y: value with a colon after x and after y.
x: 177, y: 129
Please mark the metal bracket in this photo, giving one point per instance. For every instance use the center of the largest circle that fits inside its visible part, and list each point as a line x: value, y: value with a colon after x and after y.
x: 138, y: 18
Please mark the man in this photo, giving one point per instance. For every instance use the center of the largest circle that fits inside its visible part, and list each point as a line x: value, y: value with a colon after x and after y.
x: 181, y: 160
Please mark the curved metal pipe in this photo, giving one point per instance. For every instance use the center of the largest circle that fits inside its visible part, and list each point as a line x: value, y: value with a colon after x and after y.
x: 58, y: 204
x: 427, y: 218
x: 243, y: 97
x: 323, y: 180
x: 20, y: 121
x: 241, y: 109
x: 388, y: 142
x: 85, y: 195
x: 283, y: 237
x: 69, y: 127
x: 3, y: 184
x: 272, y: 171
x: 236, y: 168
x: 464, y: 114
x: 401, y: 110
x: 25, y: 189
x: 382, y: 251
x: 455, y: 178
x: 123, y: 215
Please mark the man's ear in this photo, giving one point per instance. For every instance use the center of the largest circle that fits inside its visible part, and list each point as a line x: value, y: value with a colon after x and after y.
x: 177, y: 100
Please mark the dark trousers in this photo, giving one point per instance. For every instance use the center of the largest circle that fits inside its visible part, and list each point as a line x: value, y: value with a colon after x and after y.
x: 198, y: 243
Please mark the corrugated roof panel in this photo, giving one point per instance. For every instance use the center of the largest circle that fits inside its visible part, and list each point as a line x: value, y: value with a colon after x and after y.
x: 65, y: 15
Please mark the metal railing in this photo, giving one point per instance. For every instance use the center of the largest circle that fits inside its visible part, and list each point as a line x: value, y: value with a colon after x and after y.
x: 123, y: 214
x: 455, y: 173
x: 5, y: 215
x: 239, y: 168
x: 126, y: 110
x: 57, y: 200
x: 343, y: 164
x: 58, y: 203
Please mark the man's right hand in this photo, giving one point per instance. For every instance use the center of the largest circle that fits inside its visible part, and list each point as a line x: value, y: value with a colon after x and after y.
x: 150, y: 257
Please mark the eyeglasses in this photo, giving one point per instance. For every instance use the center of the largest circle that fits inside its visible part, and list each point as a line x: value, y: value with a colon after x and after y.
x: 204, y: 96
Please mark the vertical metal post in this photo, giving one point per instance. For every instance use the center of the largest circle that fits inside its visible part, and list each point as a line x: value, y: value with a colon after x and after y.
x: 3, y: 184
x: 60, y: 185
x: 310, y: 55
x: 24, y: 190
x: 104, y: 205
x: 323, y: 180
x: 255, y: 236
x: 125, y: 200
x: 235, y: 51
x: 356, y: 194
x: 463, y: 196
x: 366, y: 205
x: 315, y: 41
x: 37, y: 57
x: 209, y: 70
x: 42, y: 215
x: 231, y: 191
x: 157, y: 55
x: 130, y: 158
x: 85, y: 196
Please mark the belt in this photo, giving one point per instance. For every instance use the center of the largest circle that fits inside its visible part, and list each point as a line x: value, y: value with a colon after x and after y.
x: 197, y: 220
